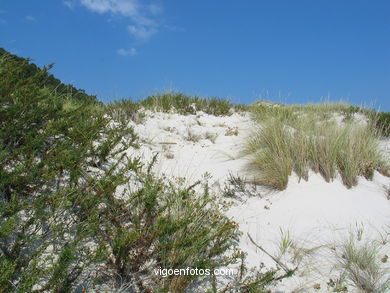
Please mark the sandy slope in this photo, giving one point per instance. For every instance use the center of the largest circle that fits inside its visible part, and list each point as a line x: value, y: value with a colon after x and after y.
x: 317, y: 216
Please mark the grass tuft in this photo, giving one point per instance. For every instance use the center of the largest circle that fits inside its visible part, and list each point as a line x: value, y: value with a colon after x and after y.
x: 362, y: 266
x: 318, y: 137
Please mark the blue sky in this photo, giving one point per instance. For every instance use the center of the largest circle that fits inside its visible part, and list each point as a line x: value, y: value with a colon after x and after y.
x: 286, y: 51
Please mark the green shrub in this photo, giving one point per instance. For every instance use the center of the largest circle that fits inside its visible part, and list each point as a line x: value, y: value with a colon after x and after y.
x: 46, y: 148
x: 74, y: 209
x: 167, y: 226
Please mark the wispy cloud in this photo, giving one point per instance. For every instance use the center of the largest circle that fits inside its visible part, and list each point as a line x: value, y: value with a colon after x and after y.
x: 141, y: 32
x: 124, y: 52
x: 30, y: 18
x: 124, y: 7
x: 143, y: 18
x: 2, y: 20
x: 69, y: 3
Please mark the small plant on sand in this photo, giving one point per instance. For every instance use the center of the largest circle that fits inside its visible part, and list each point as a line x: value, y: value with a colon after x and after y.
x: 338, y: 285
x: 286, y: 242
x: 236, y: 187
x: 384, y: 236
x: 362, y: 266
x: 254, y: 280
x: 167, y: 151
x: 169, y: 129
x: 230, y: 131
x: 211, y: 136
x: 169, y: 155
x: 192, y: 136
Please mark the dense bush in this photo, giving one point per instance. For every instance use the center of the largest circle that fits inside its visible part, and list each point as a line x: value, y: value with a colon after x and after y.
x: 49, y: 80
x: 45, y: 154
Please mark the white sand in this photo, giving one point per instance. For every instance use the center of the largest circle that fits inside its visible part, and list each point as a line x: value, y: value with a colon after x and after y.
x: 313, y: 213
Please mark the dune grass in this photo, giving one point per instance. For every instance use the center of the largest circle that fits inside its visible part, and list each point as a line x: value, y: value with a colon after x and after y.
x: 173, y: 102
x: 382, y: 122
x: 360, y: 262
x: 185, y: 104
x: 319, y: 137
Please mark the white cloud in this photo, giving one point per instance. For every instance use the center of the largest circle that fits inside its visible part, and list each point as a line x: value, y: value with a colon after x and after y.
x: 130, y: 52
x: 143, y: 23
x: 141, y: 32
x: 30, y: 18
x: 70, y: 4
x: 124, y: 7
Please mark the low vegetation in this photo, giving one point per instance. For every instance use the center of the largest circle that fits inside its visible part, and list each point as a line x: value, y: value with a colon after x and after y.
x: 76, y: 213
x: 51, y: 83
x: 362, y: 265
x: 211, y: 136
x: 171, y: 101
x: 321, y: 138
x: 184, y: 104
x: 382, y: 122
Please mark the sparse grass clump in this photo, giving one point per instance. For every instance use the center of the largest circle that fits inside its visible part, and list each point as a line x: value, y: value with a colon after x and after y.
x: 211, y: 136
x: 299, y: 138
x: 124, y: 111
x: 192, y: 136
x: 230, y: 131
x: 362, y: 265
x: 184, y: 104
x: 235, y: 186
